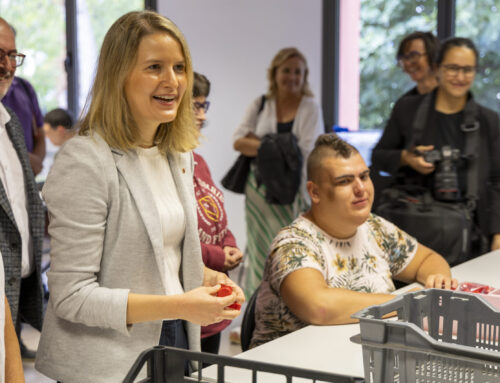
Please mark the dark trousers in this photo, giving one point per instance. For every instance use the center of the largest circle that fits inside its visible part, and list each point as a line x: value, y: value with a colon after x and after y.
x: 173, y: 334
x: 211, y: 344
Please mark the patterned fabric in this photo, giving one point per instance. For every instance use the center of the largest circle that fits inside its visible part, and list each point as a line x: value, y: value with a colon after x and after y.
x: 212, y: 217
x: 263, y: 222
x: 212, y: 228
x: 2, y: 324
x: 366, y: 263
x: 30, y: 303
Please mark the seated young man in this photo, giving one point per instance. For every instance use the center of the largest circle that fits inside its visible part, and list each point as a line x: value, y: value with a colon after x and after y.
x: 338, y: 258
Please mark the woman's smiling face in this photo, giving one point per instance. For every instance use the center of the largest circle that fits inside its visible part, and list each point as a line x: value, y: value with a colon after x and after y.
x: 157, y: 82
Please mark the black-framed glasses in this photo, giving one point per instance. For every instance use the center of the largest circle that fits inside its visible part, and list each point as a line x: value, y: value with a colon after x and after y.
x: 452, y: 70
x: 412, y: 56
x: 201, y: 105
x: 15, y: 58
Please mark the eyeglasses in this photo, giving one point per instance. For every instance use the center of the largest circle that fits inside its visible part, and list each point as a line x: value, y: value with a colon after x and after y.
x: 16, y: 59
x: 412, y: 56
x: 452, y: 70
x: 201, y: 105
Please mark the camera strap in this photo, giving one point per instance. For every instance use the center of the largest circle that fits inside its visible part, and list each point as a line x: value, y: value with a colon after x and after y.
x: 470, y: 127
x: 420, y: 120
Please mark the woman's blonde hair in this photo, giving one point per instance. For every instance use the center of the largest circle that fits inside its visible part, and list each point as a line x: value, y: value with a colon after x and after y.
x: 280, y: 57
x: 107, y: 111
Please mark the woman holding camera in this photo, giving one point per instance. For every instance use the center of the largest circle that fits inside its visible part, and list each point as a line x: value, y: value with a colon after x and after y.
x: 449, y: 104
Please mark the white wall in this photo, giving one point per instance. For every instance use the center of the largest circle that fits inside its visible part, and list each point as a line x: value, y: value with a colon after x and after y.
x: 232, y: 42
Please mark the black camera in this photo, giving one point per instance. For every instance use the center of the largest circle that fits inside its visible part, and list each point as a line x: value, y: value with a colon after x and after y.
x: 445, y: 176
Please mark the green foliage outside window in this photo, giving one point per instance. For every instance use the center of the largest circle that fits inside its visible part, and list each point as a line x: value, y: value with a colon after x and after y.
x: 41, y: 36
x: 103, y: 13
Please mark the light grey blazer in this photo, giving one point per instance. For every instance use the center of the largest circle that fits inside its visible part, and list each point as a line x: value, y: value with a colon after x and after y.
x: 106, y: 241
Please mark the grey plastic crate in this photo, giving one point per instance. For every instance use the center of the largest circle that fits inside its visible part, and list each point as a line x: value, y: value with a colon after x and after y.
x: 167, y: 365
x: 439, y: 336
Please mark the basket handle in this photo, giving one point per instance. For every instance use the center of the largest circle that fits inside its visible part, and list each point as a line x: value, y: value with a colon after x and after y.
x: 378, y: 311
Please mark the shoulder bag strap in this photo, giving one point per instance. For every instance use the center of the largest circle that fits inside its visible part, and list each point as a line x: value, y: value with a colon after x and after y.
x: 262, y: 102
x: 420, y: 120
x: 470, y: 127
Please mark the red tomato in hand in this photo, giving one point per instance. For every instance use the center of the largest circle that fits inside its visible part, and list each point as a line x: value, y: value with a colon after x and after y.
x: 226, y: 290
x: 235, y: 306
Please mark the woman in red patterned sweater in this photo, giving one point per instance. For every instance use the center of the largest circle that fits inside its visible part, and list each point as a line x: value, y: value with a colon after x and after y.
x: 218, y: 246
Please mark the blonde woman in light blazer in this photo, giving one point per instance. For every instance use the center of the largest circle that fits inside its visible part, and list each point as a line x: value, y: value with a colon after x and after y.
x: 126, y: 268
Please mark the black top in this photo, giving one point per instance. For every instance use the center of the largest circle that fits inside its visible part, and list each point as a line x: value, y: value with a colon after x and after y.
x: 412, y: 92
x: 450, y: 134
x: 440, y: 129
x: 285, y: 127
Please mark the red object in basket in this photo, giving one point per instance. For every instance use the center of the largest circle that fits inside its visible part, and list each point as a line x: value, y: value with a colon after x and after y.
x: 226, y: 290
x: 477, y: 288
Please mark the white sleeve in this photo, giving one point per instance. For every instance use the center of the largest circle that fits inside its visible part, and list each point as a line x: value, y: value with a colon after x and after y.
x: 249, y: 123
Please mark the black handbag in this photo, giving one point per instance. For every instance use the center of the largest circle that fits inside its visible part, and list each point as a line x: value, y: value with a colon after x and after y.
x: 445, y: 227
x: 236, y: 177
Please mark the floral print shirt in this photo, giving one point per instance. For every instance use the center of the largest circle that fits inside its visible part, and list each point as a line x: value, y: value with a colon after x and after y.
x: 365, y: 262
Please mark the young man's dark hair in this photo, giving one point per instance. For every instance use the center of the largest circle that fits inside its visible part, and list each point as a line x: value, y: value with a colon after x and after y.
x: 201, y: 85
x: 59, y: 117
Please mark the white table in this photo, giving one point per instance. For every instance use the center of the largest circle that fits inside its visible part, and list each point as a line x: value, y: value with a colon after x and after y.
x: 328, y: 348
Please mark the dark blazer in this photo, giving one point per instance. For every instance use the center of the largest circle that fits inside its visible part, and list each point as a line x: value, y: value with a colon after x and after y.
x: 397, y: 136
x: 30, y: 303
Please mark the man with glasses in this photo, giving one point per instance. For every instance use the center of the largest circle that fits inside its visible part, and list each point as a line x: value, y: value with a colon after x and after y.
x: 22, y: 99
x: 21, y: 211
x: 416, y: 56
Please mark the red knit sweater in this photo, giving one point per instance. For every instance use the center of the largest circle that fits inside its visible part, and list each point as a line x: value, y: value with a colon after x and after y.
x: 212, y: 227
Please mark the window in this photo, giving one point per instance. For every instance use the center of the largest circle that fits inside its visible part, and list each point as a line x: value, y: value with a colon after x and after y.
x: 383, y: 24
x: 94, y: 17
x: 44, y: 45
x: 41, y: 35
x: 370, y: 81
x: 480, y: 24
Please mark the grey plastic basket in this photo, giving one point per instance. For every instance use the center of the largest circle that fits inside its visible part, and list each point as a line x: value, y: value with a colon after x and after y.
x: 167, y: 365
x: 439, y: 336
